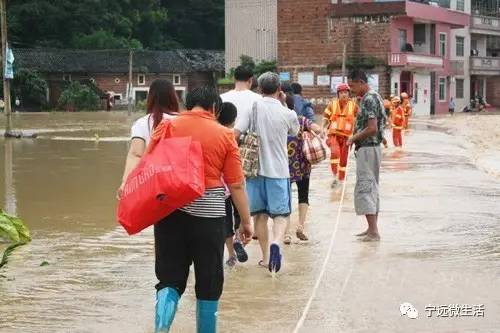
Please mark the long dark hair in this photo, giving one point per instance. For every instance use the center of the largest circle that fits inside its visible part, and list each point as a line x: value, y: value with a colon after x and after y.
x: 162, y: 98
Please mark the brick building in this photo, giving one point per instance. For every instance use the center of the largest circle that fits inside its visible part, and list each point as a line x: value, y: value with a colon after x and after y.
x: 407, y: 46
x: 106, y: 71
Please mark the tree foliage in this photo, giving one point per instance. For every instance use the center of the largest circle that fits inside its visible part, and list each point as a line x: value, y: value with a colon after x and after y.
x: 30, y: 88
x: 110, y: 24
x: 78, y: 97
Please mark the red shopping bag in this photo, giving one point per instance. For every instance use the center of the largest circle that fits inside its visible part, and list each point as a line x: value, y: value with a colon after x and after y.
x: 168, y: 177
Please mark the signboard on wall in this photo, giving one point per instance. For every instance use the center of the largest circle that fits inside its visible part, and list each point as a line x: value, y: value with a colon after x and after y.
x: 323, y: 80
x: 284, y: 76
x: 306, y: 78
x: 336, y: 80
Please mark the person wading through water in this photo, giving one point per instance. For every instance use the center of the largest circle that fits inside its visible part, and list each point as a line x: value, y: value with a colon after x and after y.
x: 368, y: 135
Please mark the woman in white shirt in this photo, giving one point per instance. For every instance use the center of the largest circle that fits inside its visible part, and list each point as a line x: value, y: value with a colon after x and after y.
x: 162, y: 103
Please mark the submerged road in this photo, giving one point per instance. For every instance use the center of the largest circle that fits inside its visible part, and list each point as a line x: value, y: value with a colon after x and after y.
x: 440, y: 228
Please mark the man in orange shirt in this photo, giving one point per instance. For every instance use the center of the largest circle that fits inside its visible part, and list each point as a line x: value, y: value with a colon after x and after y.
x: 339, y: 119
x: 397, y: 121
x: 407, y: 109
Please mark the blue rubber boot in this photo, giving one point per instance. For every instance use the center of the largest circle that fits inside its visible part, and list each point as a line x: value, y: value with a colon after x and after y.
x: 206, y: 316
x: 166, y: 306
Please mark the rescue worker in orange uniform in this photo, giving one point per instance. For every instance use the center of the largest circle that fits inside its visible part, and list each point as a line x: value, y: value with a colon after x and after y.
x: 397, y: 121
x: 406, y: 108
x: 339, y: 120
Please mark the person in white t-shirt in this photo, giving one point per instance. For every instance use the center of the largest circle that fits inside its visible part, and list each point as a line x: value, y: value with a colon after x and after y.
x: 269, y: 192
x: 241, y: 96
x: 162, y: 103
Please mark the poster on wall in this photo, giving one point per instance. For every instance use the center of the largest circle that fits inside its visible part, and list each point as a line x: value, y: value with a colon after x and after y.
x: 284, y: 76
x: 336, y: 80
x: 306, y: 78
x: 323, y: 80
x: 373, y: 82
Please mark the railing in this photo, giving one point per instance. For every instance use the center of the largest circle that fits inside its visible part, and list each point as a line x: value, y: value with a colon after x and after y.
x: 485, y: 23
x: 485, y: 64
x: 415, y: 60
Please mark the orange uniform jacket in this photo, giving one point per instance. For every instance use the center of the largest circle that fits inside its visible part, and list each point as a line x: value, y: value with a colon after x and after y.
x: 407, y: 108
x: 342, y: 121
x: 397, y: 117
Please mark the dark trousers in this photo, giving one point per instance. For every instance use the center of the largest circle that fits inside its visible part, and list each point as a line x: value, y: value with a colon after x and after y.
x: 182, y: 239
x: 303, y: 190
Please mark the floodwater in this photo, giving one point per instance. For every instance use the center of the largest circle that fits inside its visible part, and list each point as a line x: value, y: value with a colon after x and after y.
x: 440, y: 227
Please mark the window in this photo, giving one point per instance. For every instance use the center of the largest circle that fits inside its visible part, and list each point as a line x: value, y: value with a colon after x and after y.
x: 402, y: 39
x: 460, y: 41
x: 66, y: 77
x: 396, y: 89
x: 177, y: 80
x: 460, y: 5
x: 442, y: 89
x: 419, y: 34
x: 415, y: 93
x: 442, y: 44
x: 141, y: 79
x: 459, y: 85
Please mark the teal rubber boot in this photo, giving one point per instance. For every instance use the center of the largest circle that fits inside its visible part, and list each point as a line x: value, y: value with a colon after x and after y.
x: 206, y: 316
x: 166, y: 306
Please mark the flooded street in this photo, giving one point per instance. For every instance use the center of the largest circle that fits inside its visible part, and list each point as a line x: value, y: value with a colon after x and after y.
x: 440, y: 228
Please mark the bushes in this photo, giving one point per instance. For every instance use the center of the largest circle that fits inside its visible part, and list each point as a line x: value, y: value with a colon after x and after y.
x: 77, y: 97
x: 30, y: 88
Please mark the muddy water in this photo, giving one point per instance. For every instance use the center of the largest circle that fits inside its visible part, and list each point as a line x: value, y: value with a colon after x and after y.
x: 440, y: 224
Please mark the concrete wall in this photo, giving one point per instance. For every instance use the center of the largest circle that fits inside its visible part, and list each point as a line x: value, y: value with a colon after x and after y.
x: 251, y: 29
x: 461, y: 103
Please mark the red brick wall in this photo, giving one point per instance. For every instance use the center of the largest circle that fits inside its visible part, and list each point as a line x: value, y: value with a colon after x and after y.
x: 493, y: 91
x: 309, y: 41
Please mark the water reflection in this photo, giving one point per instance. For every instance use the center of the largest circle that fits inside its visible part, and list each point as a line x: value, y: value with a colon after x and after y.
x: 10, y: 191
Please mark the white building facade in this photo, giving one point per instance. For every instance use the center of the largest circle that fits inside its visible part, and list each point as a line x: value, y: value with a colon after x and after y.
x: 251, y: 29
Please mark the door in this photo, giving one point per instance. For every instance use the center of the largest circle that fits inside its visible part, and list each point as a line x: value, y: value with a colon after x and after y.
x: 421, y: 94
x: 433, y: 93
x: 140, y: 96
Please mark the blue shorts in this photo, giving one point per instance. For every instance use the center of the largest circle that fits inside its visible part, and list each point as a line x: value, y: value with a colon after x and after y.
x: 270, y: 196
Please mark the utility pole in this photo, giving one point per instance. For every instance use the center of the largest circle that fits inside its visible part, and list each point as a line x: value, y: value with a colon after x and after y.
x: 130, y: 66
x: 6, y: 82
x: 344, y: 55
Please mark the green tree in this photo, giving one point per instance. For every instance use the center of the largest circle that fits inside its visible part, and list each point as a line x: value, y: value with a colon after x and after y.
x: 102, y: 39
x: 30, y: 88
x: 156, y: 24
x: 78, y: 97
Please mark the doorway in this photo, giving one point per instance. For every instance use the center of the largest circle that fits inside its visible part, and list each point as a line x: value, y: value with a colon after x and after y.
x: 433, y: 93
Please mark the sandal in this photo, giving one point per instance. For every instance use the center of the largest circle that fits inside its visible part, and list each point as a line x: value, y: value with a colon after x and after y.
x: 262, y: 265
x: 287, y: 240
x: 301, y: 235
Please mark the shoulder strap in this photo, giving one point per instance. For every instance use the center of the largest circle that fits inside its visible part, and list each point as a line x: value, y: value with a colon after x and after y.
x: 253, y: 118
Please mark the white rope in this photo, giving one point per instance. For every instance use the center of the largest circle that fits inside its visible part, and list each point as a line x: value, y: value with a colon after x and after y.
x: 302, y: 319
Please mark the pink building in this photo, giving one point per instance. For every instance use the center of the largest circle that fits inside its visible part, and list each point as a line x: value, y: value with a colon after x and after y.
x: 418, y: 47
x: 421, y: 55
